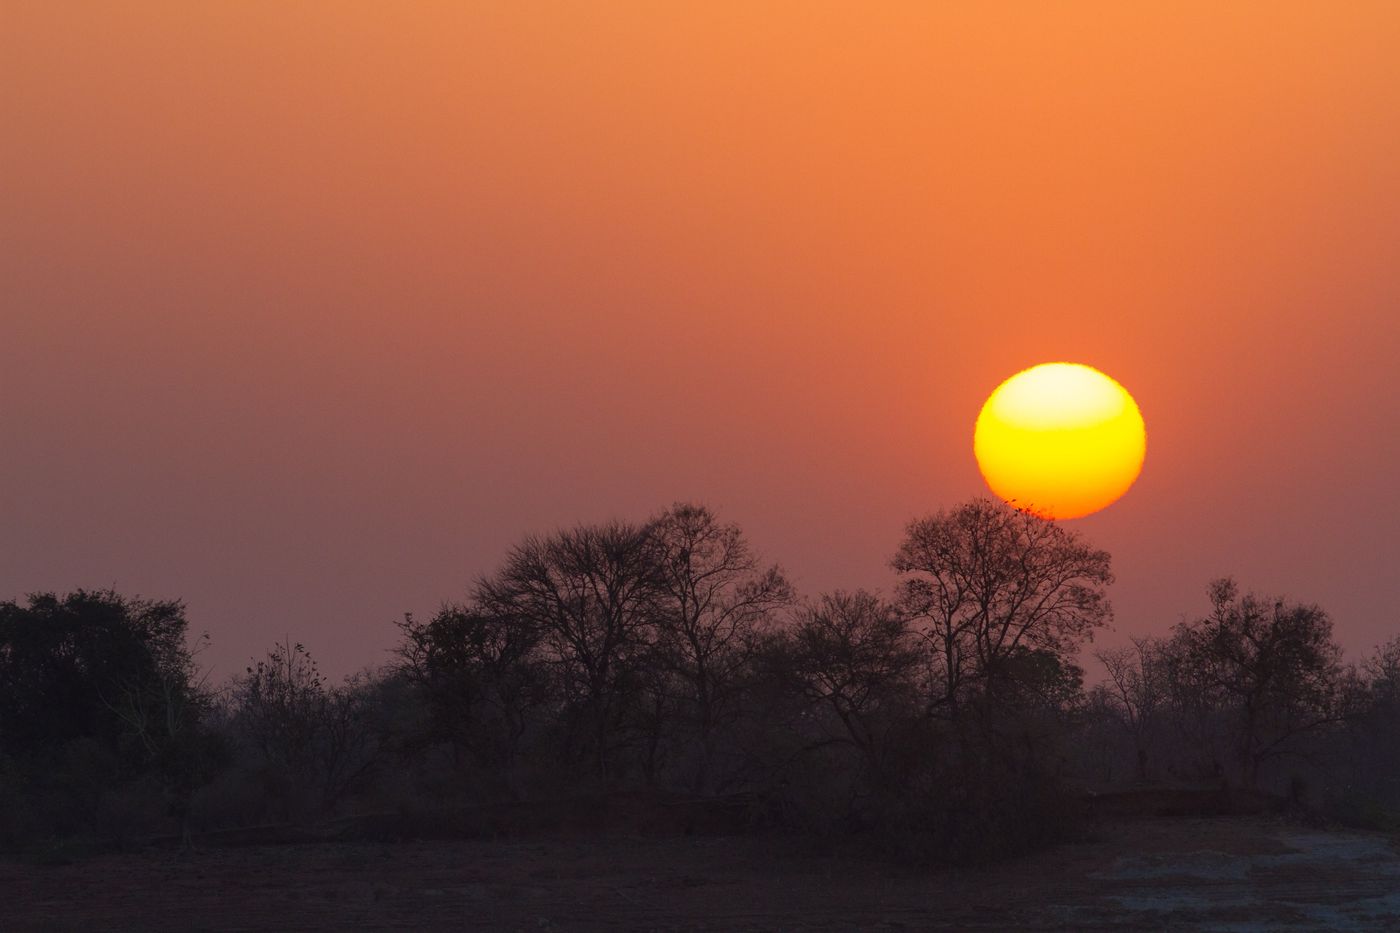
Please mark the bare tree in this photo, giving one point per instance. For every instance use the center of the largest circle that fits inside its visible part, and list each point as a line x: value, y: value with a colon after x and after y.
x: 714, y: 600
x: 984, y: 582
x: 1136, y: 690
x: 1270, y: 665
x: 591, y: 594
x: 854, y: 654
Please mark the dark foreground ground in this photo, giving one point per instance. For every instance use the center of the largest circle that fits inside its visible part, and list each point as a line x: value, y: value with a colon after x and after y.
x: 1213, y: 873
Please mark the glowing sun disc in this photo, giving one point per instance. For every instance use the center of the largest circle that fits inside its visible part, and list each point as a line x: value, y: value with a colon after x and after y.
x: 1060, y: 439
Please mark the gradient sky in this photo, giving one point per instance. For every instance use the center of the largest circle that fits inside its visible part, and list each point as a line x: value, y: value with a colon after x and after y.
x: 309, y: 310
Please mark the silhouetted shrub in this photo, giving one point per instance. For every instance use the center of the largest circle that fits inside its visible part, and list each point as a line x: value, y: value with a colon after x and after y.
x: 310, y: 744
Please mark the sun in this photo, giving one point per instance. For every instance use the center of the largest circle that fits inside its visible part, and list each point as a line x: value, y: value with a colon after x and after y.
x: 1061, y: 440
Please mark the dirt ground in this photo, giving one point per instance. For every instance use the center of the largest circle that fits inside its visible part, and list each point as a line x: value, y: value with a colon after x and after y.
x: 1238, y: 874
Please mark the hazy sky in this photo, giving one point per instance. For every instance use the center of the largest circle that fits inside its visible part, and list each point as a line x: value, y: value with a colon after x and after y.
x: 309, y: 310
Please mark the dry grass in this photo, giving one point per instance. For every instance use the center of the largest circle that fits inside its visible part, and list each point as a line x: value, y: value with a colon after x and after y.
x: 1221, y: 873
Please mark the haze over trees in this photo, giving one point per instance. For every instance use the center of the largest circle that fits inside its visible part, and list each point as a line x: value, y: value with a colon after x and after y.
x: 668, y: 661
x: 1245, y: 686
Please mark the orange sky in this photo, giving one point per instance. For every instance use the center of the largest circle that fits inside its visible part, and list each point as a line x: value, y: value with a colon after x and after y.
x: 307, y: 311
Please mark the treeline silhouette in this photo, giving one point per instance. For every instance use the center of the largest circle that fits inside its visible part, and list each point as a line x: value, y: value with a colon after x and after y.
x: 665, y: 664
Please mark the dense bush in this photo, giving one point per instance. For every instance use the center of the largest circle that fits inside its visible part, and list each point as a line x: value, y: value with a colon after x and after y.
x: 102, y: 720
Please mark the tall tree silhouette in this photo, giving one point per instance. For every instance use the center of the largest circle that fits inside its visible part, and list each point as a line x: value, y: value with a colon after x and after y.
x: 1269, y: 665
x: 984, y: 582
x: 590, y: 592
x: 714, y: 600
